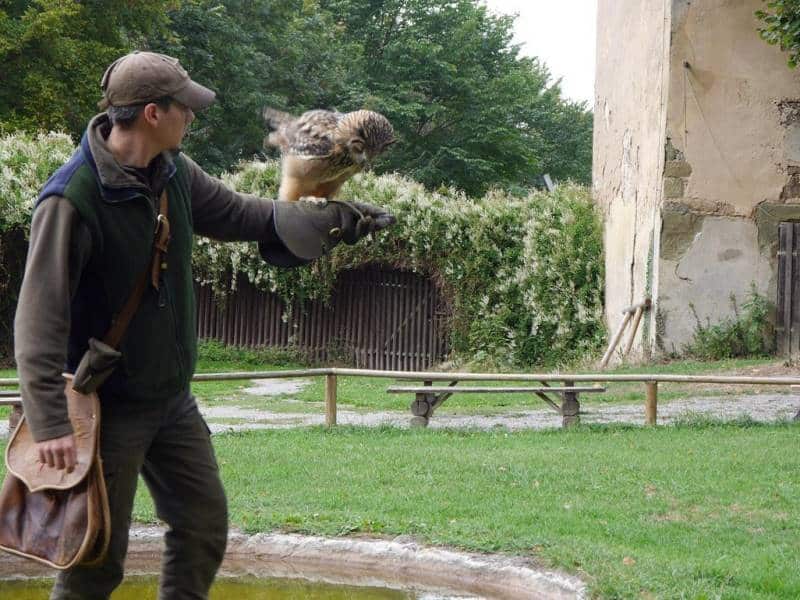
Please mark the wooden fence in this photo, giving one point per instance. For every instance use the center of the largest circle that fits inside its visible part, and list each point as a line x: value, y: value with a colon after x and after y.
x: 376, y: 319
x: 787, y: 317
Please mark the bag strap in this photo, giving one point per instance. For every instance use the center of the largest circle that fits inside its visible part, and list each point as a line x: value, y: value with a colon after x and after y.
x: 151, y: 274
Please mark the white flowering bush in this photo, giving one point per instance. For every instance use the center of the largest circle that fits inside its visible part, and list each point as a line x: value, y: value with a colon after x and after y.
x: 26, y: 161
x: 523, y: 276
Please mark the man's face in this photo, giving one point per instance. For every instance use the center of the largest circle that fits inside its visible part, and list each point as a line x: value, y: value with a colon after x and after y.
x: 175, y: 121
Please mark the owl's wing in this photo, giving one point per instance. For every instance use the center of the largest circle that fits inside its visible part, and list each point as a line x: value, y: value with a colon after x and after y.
x: 311, y: 135
x: 277, y: 121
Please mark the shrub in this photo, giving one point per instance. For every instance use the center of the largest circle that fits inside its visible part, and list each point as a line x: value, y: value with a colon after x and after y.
x: 26, y: 161
x: 524, y: 276
x: 746, y: 334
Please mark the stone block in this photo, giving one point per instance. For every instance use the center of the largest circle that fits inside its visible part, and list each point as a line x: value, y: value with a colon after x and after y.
x: 768, y: 217
x: 679, y: 226
x: 673, y: 187
x: 671, y: 152
x: 677, y: 168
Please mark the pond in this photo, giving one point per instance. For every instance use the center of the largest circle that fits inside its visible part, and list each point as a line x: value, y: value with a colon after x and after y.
x: 241, y: 588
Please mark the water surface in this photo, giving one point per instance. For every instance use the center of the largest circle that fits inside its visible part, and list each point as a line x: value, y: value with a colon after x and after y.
x: 241, y: 588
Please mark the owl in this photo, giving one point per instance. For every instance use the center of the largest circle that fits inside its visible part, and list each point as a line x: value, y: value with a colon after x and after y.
x: 322, y: 149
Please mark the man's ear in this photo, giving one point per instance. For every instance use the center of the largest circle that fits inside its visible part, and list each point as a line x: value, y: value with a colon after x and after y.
x: 150, y: 113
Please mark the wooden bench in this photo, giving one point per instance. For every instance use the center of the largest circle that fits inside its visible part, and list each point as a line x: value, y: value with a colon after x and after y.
x: 428, y: 397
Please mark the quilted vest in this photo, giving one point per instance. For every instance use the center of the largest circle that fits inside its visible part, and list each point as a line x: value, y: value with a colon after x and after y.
x: 159, y: 349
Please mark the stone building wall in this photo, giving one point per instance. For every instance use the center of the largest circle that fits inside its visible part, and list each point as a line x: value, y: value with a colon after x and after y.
x: 629, y: 133
x: 729, y: 168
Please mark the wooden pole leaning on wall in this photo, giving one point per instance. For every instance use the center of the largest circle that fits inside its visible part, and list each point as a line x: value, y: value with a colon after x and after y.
x: 651, y: 403
x: 615, y: 340
x: 637, y: 316
x: 330, y: 400
x: 631, y: 312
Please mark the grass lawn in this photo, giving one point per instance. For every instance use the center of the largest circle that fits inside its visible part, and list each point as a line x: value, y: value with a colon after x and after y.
x: 701, y: 510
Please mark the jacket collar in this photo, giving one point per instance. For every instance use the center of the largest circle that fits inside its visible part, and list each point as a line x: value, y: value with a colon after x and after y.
x: 117, y: 184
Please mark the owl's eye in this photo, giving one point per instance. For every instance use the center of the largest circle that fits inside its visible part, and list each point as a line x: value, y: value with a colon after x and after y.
x: 357, y: 145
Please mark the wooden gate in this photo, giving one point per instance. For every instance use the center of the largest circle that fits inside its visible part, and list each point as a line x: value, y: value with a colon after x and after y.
x: 376, y: 319
x: 787, y: 317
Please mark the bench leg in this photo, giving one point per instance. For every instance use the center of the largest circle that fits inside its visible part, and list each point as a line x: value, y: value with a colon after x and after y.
x: 570, y: 409
x: 422, y: 409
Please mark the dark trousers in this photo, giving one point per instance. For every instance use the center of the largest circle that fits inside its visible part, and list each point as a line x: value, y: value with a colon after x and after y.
x: 169, y: 444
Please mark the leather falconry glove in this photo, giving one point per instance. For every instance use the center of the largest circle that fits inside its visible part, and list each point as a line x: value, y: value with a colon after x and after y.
x: 311, y: 228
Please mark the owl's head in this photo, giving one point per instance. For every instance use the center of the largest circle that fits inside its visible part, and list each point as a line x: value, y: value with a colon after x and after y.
x: 365, y: 134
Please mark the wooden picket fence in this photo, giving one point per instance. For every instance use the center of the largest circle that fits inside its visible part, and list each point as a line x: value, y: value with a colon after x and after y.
x: 375, y: 319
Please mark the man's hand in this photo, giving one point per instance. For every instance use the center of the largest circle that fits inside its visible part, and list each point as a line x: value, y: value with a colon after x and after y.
x: 59, y: 453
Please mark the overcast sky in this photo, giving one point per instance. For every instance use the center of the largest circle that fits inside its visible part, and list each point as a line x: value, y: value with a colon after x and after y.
x: 562, y: 34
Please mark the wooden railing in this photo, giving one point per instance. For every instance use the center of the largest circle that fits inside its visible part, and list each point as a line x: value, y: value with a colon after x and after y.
x: 651, y: 382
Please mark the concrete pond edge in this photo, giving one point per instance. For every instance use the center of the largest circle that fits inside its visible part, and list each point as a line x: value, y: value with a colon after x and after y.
x: 400, y: 563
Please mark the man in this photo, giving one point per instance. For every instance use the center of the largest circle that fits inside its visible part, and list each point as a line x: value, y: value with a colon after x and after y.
x: 91, y: 238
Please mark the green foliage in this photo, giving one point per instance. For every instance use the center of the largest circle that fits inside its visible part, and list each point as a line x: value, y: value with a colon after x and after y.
x: 221, y: 356
x: 470, y: 111
x: 746, y: 334
x: 54, y: 53
x: 782, y: 27
x: 26, y: 161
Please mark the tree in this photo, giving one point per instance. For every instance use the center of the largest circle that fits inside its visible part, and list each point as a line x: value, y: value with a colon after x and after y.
x: 782, y: 27
x: 253, y: 54
x: 470, y: 111
x: 54, y: 53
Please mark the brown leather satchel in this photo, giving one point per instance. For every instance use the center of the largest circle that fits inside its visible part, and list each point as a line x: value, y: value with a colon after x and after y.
x: 58, y: 518
x: 61, y: 518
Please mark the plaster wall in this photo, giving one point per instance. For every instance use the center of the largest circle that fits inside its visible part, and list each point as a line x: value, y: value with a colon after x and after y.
x: 629, y: 136
x: 732, y: 151
x: 725, y: 84
x: 697, y: 283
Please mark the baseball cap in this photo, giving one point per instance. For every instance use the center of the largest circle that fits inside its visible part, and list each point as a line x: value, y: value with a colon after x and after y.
x: 140, y: 77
